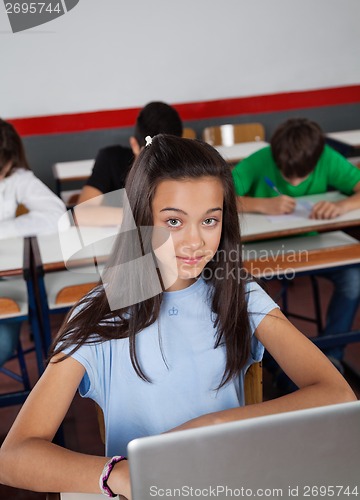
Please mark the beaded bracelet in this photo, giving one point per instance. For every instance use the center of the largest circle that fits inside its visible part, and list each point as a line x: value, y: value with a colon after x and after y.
x: 104, y: 488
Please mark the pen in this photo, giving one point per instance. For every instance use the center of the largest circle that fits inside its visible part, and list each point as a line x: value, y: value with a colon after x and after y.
x: 305, y: 204
x: 270, y: 183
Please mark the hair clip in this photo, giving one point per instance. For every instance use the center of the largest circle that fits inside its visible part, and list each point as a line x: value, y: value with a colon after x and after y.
x: 148, y: 140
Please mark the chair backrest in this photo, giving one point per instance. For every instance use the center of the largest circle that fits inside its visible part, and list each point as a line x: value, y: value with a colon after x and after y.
x: 189, y: 133
x: 8, y: 306
x: 227, y: 135
x: 21, y: 210
x: 73, y: 293
x: 253, y: 386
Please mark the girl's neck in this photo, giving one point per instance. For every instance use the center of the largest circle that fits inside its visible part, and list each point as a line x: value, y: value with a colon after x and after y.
x: 181, y: 284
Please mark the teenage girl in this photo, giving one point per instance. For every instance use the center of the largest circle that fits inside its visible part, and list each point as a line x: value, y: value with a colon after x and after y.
x: 18, y: 185
x: 164, y: 344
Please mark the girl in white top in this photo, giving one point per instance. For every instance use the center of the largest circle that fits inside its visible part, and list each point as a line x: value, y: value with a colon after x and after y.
x: 18, y: 185
x: 165, y: 343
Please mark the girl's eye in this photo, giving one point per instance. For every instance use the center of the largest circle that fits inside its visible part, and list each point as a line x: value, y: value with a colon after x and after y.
x: 210, y: 222
x: 173, y: 222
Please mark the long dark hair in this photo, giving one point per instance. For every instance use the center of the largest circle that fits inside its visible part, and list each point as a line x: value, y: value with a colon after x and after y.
x: 93, y: 320
x: 11, y: 148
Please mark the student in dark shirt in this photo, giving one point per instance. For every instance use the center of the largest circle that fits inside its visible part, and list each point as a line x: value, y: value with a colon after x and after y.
x: 114, y: 162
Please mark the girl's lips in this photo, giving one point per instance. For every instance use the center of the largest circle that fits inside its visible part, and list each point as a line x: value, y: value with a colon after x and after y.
x: 190, y: 260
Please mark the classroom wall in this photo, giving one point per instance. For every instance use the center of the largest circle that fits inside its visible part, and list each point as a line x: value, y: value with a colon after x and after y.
x: 115, y: 55
x: 44, y: 150
x: 109, y: 54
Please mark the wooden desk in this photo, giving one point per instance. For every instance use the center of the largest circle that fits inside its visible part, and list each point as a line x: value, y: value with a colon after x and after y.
x: 72, y: 170
x: 68, y: 265
x: 349, y: 137
x: 11, y: 257
x: 286, y: 257
x: 14, y: 270
x: 237, y: 152
x: 290, y: 257
x: 76, y: 247
x: 257, y: 226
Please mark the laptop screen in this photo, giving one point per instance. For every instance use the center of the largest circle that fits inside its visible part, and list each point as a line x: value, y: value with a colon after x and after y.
x: 305, y: 453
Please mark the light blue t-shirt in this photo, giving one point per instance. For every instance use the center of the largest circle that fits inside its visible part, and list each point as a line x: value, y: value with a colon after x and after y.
x: 184, y: 368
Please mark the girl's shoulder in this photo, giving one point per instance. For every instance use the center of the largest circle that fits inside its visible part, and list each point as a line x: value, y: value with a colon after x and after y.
x: 22, y: 174
x: 259, y: 303
x: 257, y: 298
x: 22, y: 171
x: 252, y: 285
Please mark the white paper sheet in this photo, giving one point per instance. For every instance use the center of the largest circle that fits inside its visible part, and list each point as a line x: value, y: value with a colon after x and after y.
x: 302, y: 211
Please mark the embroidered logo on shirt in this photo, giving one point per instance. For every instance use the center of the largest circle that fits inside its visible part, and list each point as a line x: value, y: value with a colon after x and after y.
x: 173, y: 311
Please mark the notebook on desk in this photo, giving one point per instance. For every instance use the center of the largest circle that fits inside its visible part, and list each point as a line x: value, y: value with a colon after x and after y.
x: 314, y: 452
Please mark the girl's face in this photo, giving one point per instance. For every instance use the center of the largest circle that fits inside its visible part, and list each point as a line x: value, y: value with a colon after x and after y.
x: 191, y: 210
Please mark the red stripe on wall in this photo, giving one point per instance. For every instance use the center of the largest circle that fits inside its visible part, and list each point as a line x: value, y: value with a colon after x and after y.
x: 98, y: 120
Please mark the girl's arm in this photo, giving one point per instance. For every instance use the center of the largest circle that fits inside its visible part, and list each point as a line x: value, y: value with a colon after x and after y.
x: 45, y: 208
x: 319, y: 382
x: 28, y: 458
x: 330, y: 210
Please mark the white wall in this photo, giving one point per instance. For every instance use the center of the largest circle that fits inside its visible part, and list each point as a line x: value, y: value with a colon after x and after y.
x: 110, y: 54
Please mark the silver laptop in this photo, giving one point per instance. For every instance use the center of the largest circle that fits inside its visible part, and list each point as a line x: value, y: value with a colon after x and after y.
x: 305, y: 454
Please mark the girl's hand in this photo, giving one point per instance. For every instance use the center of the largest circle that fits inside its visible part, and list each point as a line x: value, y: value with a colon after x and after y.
x: 279, y: 205
x: 326, y: 210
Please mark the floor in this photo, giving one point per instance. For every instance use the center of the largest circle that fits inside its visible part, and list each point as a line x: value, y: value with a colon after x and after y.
x: 81, y: 427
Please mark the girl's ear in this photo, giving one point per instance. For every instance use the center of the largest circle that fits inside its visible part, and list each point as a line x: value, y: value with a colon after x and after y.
x: 134, y: 146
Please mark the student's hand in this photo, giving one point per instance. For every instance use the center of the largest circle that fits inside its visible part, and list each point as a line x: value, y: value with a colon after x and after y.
x: 119, y: 480
x: 279, y: 205
x: 326, y: 210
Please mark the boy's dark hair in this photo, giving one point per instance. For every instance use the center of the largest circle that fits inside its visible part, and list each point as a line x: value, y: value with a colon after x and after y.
x: 11, y: 147
x: 297, y: 146
x: 157, y: 118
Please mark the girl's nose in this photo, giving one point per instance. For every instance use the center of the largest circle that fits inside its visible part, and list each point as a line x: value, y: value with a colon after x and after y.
x: 193, y: 239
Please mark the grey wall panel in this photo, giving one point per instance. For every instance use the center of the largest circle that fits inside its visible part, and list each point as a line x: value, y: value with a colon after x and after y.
x: 45, y: 150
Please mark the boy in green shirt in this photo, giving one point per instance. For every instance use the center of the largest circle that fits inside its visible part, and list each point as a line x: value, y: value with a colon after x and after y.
x: 298, y: 163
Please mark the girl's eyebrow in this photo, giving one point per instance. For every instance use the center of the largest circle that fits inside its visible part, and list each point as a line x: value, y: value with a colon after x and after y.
x: 172, y: 209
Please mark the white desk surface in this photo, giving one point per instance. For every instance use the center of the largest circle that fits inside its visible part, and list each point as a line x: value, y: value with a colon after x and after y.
x: 239, y: 151
x: 11, y: 254
x: 355, y: 160
x: 258, y: 226
x: 72, y: 169
x: 88, y: 242
x: 76, y: 244
x: 348, y: 137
